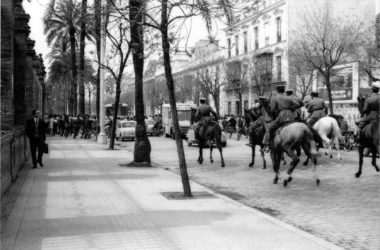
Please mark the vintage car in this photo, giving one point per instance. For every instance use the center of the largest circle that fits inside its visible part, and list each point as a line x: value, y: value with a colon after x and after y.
x: 150, y: 129
x: 126, y: 130
x: 190, y: 139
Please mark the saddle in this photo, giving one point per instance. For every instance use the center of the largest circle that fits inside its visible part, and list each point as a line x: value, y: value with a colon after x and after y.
x: 205, y: 125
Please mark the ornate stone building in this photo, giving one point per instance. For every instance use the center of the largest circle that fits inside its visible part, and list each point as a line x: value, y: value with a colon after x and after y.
x: 22, y: 88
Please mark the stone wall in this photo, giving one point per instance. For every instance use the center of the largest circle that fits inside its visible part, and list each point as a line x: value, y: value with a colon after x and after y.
x: 22, y: 82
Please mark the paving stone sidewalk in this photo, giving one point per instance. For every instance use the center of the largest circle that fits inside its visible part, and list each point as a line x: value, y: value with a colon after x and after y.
x: 83, y: 199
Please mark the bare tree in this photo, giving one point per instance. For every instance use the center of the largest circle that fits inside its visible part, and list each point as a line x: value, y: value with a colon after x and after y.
x: 211, y: 84
x: 324, y: 42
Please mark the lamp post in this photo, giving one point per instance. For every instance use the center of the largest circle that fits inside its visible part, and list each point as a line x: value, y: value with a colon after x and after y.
x: 102, y: 137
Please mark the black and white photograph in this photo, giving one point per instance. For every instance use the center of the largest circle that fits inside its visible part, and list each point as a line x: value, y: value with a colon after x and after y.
x: 190, y: 125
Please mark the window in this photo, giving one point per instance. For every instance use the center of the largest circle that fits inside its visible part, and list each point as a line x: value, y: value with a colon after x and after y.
x: 245, y: 42
x: 229, y: 47
x: 246, y: 104
x: 237, y: 108
x: 278, y: 24
x: 256, y: 31
x: 278, y: 61
x: 266, y: 30
x: 229, y: 108
x: 237, y: 45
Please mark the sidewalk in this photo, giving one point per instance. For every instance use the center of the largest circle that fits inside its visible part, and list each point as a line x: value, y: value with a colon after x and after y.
x: 82, y: 199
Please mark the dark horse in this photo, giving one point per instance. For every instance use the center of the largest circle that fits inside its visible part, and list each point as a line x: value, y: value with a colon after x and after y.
x: 287, y: 139
x: 208, y: 134
x: 369, y: 138
x: 255, y: 119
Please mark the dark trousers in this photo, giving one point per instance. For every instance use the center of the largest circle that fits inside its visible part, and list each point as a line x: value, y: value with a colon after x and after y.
x: 36, y: 145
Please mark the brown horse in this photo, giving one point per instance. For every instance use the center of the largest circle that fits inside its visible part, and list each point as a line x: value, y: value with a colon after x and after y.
x: 256, y: 122
x: 369, y: 138
x: 287, y: 139
x: 209, y: 134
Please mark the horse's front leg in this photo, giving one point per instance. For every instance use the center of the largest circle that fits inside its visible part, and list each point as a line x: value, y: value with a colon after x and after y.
x: 374, y: 154
x: 200, y: 158
x: 337, y: 148
x: 263, y: 156
x: 253, y: 156
x: 361, y: 151
x: 211, y: 147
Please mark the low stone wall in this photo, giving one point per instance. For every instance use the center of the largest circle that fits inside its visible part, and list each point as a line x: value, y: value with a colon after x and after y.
x: 14, y: 155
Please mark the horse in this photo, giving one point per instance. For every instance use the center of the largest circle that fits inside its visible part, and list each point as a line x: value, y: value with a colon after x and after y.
x: 254, y: 117
x: 287, y: 139
x: 209, y: 133
x: 369, y: 137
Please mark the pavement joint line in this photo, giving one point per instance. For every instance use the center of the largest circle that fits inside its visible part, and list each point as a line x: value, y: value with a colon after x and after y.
x: 11, y: 230
x: 269, y: 218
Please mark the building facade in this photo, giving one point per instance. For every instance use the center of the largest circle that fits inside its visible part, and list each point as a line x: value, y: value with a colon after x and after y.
x: 22, y: 88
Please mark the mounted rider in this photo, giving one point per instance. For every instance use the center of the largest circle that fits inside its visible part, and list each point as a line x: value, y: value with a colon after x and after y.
x: 371, y: 108
x: 260, y: 111
x: 282, y: 109
x: 317, y: 109
x: 299, y: 103
x: 203, y: 116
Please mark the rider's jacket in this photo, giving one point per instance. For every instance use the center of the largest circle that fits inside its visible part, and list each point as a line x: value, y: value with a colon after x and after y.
x: 282, y: 108
x: 298, y: 104
x: 372, y: 104
x: 316, y: 108
x: 204, y: 112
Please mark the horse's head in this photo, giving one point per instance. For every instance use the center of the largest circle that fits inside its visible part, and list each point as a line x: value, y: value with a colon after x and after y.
x: 252, y: 114
x: 361, y: 101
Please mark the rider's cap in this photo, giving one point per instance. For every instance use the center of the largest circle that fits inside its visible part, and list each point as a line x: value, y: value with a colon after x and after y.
x: 376, y: 85
x: 289, y: 91
x: 263, y: 98
x: 314, y: 94
x: 280, y: 88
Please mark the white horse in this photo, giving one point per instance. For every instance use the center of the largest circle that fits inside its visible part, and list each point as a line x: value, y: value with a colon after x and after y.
x: 328, y: 128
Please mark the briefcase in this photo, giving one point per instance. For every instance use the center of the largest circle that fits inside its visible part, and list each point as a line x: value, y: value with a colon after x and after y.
x: 45, y: 148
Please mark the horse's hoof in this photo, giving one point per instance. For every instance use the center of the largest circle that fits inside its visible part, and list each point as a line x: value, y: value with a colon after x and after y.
x: 330, y: 156
x: 250, y: 165
x: 265, y: 167
x: 223, y: 165
x: 326, y: 153
x: 290, y: 179
x: 212, y: 161
x: 357, y: 175
x: 377, y: 168
x: 285, y: 183
x: 318, y: 182
x: 275, y: 180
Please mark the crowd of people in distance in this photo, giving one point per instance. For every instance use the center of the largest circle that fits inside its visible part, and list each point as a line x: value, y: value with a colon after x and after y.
x: 234, y: 124
x: 67, y: 125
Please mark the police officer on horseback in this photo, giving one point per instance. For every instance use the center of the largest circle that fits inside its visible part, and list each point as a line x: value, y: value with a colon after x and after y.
x: 317, y: 109
x: 298, y: 104
x: 371, y: 108
x: 282, y: 109
x: 203, y: 116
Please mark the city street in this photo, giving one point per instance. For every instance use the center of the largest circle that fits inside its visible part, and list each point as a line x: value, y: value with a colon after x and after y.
x: 342, y: 210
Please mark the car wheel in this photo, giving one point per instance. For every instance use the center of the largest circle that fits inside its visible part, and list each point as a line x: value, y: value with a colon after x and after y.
x: 224, y: 144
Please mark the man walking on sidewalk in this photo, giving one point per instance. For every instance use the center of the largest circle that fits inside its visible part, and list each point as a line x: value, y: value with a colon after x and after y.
x: 36, y: 131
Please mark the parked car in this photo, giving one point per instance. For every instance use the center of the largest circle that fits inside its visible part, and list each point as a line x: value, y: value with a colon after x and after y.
x: 150, y: 130
x: 126, y: 130
x: 190, y: 139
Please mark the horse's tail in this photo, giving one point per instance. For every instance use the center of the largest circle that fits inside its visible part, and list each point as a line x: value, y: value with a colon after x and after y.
x: 336, y: 129
x: 312, y: 145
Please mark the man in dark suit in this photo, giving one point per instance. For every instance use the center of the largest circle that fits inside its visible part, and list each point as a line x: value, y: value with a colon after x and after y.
x: 36, y: 131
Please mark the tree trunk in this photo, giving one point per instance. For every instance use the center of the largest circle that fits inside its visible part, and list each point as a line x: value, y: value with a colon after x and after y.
x: 116, y: 109
x: 172, y: 100
x: 217, y: 103
x: 81, y: 57
x: 73, y: 97
x: 328, y: 85
x: 89, y: 100
x: 142, y: 146
x: 97, y: 38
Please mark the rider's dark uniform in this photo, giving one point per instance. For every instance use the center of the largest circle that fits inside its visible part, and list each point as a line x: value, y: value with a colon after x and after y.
x: 203, y: 116
x: 298, y: 104
x: 282, y: 109
x: 317, y: 109
x: 370, y: 111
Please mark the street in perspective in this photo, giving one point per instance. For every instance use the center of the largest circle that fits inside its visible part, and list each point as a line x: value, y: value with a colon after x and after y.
x: 212, y: 124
